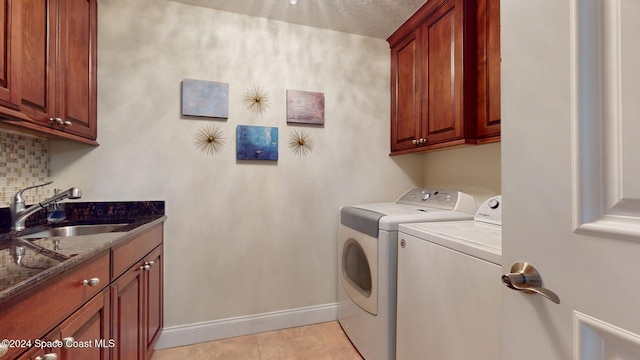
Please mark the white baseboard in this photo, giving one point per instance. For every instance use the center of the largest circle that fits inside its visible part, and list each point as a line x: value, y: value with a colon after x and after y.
x: 244, y: 325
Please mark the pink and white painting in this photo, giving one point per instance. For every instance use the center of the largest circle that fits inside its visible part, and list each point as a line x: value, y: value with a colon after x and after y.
x: 304, y: 107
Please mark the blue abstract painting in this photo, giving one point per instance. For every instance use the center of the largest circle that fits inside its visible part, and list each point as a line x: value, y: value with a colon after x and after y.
x: 205, y: 98
x: 257, y: 143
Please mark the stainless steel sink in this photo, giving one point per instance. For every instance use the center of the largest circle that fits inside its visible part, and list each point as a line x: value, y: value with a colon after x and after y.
x: 75, y: 230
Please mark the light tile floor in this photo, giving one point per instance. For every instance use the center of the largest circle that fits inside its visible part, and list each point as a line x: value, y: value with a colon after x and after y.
x: 319, y: 341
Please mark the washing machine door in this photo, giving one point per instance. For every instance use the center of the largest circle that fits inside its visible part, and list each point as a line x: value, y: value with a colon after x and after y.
x: 358, y: 268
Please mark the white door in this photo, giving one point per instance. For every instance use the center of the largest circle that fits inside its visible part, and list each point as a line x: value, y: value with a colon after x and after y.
x: 571, y: 176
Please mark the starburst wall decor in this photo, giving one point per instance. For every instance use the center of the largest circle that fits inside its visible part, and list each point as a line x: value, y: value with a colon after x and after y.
x: 210, y: 139
x: 257, y: 100
x: 300, y: 142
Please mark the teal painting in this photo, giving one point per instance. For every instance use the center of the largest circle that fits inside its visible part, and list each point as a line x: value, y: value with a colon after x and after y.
x: 205, y: 98
x: 257, y: 143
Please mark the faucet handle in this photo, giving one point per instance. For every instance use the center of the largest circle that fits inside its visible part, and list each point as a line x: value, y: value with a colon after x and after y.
x: 17, y: 198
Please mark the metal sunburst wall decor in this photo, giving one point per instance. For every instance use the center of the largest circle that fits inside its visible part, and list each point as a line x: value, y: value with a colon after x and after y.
x: 210, y: 139
x: 300, y: 142
x: 257, y: 100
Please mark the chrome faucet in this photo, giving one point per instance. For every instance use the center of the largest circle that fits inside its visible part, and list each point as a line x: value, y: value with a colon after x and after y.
x: 20, y: 213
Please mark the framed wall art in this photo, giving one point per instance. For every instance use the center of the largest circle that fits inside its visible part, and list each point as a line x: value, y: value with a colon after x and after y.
x: 304, y: 107
x: 205, y: 98
x: 257, y: 143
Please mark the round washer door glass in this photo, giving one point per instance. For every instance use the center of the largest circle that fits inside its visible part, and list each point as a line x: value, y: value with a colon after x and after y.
x: 355, y: 267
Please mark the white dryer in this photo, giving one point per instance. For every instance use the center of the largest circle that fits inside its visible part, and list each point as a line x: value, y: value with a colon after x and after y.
x: 367, y: 262
x: 449, y: 289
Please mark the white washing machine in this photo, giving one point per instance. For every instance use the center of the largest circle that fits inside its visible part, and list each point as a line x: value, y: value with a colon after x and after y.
x: 449, y: 288
x: 367, y: 262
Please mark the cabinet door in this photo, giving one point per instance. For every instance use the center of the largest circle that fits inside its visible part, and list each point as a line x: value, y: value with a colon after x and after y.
x: 489, y: 69
x: 127, y: 296
x: 442, y: 81
x: 47, y: 349
x: 33, y: 354
x: 77, y: 49
x: 38, y: 27
x: 9, y: 49
x: 153, y: 303
x: 85, y: 334
x: 405, y: 89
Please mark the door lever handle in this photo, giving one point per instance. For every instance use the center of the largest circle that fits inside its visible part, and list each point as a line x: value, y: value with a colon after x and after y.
x: 524, y: 277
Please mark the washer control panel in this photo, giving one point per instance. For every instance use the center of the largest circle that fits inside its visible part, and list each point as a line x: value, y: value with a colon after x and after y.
x: 439, y: 198
x: 490, y: 211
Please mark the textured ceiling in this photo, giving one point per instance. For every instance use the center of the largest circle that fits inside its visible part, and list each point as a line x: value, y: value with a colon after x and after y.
x: 374, y: 18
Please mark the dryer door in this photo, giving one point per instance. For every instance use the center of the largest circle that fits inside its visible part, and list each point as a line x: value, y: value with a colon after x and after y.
x: 358, y: 268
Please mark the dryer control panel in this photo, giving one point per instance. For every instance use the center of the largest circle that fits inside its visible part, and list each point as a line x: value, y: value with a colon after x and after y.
x: 439, y: 199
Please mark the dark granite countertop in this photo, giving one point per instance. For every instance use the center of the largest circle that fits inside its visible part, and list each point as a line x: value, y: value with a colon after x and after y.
x: 37, y: 268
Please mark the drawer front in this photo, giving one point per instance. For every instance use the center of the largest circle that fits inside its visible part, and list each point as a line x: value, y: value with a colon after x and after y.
x: 34, y: 313
x: 132, y: 251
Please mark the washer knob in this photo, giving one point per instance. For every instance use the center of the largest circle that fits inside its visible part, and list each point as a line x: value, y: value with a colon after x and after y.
x: 426, y: 196
x: 493, y: 203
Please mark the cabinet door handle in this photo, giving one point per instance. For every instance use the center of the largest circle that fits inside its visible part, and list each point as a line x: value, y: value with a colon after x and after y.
x: 68, y: 341
x: 60, y: 122
x: 52, y: 356
x: 93, y: 282
x: 147, y: 265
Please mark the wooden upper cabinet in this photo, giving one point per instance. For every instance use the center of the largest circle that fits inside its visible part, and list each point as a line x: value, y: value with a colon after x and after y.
x: 446, y: 59
x: 77, y: 91
x: 9, y: 64
x: 435, y: 78
x: 405, y: 71
x: 55, y: 44
x: 38, y: 57
x: 488, y: 70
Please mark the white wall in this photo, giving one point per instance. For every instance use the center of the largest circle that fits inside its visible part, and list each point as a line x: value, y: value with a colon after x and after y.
x: 241, y: 238
x: 475, y: 170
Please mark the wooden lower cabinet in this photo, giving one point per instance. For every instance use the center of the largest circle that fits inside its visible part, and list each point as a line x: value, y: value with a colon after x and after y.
x: 47, y: 349
x: 39, y: 354
x: 85, y: 334
x: 153, y: 304
x: 120, y: 318
x: 127, y: 296
x: 137, y: 308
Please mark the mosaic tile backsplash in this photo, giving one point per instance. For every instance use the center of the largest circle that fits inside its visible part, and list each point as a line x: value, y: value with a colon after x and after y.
x: 24, y: 161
